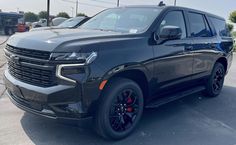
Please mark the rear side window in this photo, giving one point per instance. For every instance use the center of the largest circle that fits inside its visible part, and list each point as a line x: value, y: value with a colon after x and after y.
x: 198, y: 25
x: 220, y: 27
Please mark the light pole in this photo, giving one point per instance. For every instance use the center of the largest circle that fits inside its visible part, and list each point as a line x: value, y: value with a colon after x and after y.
x: 48, y: 11
x: 76, y: 8
x: 72, y: 11
x: 74, y: 2
x: 175, y: 2
x: 118, y: 3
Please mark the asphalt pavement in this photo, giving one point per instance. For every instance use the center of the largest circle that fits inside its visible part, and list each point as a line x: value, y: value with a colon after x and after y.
x: 193, y: 120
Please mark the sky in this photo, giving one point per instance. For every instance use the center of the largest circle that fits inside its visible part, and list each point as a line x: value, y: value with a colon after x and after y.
x: 91, y: 7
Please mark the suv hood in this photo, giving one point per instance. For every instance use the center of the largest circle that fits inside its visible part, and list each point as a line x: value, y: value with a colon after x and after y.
x: 48, y: 40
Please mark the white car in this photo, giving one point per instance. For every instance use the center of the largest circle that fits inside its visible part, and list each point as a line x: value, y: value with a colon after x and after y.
x: 40, y: 23
x: 57, y: 21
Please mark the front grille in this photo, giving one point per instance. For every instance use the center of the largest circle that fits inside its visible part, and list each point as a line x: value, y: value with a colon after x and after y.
x: 29, y: 52
x: 35, y: 76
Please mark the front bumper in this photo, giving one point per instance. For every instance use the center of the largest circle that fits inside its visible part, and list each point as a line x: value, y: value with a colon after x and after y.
x: 57, y: 102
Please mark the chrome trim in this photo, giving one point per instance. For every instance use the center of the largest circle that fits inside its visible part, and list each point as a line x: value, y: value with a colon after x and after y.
x: 59, y: 68
x: 91, y: 57
x: 89, y: 60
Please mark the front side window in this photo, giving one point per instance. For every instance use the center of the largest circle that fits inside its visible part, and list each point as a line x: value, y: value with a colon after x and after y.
x: 198, y: 25
x: 125, y: 20
x: 174, y: 18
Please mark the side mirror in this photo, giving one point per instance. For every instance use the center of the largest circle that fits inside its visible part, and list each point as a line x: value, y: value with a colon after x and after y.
x: 169, y: 33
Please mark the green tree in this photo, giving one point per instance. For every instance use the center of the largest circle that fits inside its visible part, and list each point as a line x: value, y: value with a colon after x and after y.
x: 30, y: 17
x: 232, y: 17
x: 81, y: 14
x: 43, y: 15
x: 234, y: 34
x: 230, y: 27
x: 63, y: 14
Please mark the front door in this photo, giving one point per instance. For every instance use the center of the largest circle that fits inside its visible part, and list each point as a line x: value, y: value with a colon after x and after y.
x: 173, y: 58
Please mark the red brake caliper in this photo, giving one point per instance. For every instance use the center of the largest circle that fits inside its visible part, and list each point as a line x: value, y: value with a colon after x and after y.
x: 129, y: 109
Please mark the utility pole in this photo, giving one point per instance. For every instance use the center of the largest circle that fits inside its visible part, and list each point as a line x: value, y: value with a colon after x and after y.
x: 48, y: 11
x: 118, y: 3
x: 74, y: 2
x: 175, y: 2
x: 72, y: 11
x: 77, y: 5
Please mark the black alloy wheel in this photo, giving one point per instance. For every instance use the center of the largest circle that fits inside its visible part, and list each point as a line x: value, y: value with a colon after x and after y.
x: 215, y: 82
x: 124, y: 110
x: 119, y: 110
x: 218, y: 80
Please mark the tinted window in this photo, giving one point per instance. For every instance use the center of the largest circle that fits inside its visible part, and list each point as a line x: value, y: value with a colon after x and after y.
x: 198, y: 25
x: 72, y: 22
x: 220, y: 27
x: 174, y: 18
x: 126, y: 20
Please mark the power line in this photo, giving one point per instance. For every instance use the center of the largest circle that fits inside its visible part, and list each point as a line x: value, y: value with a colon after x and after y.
x: 87, y: 4
x: 74, y: 2
x: 113, y: 3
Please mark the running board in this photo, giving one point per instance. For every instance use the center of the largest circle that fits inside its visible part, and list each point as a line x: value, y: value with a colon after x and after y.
x: 174, y: 97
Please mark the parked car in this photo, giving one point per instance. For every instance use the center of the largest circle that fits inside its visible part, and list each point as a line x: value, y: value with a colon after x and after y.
x: 70, y: 24
x: 57, y: 21
x: 40, y: 23
x: 117, y: 63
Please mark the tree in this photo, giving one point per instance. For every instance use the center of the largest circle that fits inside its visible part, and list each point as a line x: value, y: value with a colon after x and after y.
x: 230, y: 27
x: 63, y: 14
x: 234, y: 34
x: 30, y: 17
x: 81, y: 14
x: 232, y: 17
x: 43, y: 15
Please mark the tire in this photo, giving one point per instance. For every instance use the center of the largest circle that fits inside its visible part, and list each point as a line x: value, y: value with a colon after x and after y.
x: 215, y: 83
x: 10, y: 31
x: 6, y: 31
x: 37, y: 26
x: 121, y: 100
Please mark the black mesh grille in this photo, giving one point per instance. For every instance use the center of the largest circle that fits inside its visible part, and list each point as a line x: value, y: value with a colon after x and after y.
x: 34, y: 76
x: 29, y: 52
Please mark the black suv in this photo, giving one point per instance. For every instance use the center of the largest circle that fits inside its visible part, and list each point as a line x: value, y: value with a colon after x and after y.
x: 120, y: 61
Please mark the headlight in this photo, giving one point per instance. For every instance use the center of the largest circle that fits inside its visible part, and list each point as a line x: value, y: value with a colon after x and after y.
x: 75, y: 57
x: 74, y: 70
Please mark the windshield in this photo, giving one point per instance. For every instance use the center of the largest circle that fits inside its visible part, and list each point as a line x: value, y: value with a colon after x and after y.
x: 125, y: 20
x: 70, y: 22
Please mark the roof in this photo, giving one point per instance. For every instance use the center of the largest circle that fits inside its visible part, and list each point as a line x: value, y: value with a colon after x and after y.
x: 11, y: 14
x: 172, y: 7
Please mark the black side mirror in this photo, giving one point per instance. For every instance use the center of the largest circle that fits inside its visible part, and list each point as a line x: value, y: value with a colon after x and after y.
x: 169, y: 33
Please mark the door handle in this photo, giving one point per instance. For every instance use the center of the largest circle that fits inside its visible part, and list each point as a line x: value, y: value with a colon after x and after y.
x: 189, y: 48
x: 213, y: 45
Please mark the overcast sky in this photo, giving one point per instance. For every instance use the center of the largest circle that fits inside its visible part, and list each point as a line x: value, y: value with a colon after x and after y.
x: 91, y: 7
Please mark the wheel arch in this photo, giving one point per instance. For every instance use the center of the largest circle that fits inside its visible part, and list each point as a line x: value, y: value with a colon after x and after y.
x: 137, y: 75
x: 224, y: 62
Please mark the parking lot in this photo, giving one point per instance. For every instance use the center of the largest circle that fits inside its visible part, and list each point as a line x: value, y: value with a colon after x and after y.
x: 193, y: 120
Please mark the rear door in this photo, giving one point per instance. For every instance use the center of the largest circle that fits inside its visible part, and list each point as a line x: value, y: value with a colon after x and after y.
x: 173, y: 59
x: 203, y: 48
